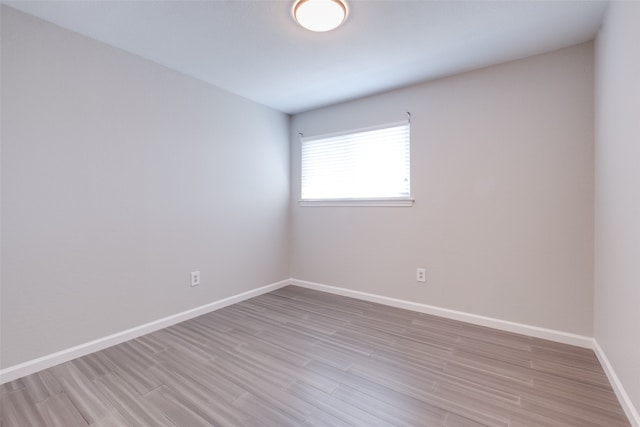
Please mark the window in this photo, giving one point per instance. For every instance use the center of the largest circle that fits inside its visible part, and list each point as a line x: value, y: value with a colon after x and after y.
x: 366, y: 167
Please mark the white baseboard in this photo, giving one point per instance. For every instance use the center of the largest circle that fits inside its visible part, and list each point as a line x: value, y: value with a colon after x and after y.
x: 623, y: 397
x: 503, y: 325
x: 13, y: 372
x: 17, y: 371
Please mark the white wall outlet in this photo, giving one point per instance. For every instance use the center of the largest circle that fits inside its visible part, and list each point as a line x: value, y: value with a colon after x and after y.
x: 421, y: 275
x: 195, y: 278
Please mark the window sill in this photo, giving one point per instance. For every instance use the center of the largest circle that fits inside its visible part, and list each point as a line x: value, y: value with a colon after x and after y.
x: 357, y: 202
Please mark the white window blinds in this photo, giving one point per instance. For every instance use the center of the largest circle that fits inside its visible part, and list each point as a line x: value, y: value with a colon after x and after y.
x: 371, y: 164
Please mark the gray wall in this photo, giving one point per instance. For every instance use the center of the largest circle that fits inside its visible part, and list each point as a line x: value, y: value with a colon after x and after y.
x: 502, y: 174
x: 617, y: 201
x: 119, y: 177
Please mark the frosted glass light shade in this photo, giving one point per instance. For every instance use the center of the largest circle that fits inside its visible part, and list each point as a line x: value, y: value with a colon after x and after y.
x: 320, y: 15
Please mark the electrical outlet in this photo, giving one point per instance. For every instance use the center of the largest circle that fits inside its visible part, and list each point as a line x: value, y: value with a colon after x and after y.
x: 421, y: 275
x: 195, y: 278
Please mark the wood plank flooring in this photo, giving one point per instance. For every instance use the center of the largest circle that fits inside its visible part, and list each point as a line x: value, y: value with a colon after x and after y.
x: 296, y: 357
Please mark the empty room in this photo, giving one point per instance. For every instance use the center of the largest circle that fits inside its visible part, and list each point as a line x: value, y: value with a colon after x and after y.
x: 320, y: 213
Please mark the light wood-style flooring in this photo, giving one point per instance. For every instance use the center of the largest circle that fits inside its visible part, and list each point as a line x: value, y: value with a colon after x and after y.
x: 297, y: 357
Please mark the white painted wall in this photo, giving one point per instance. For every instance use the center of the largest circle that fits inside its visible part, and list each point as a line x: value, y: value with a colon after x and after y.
x: 617, y: 194
x: 502, y: 174
x: 119, y: 177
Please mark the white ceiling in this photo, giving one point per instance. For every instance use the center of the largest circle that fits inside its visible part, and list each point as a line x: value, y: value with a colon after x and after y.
x: 255, y: 49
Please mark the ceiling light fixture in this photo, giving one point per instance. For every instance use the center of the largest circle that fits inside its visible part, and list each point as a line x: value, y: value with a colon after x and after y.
x: 320, y: 15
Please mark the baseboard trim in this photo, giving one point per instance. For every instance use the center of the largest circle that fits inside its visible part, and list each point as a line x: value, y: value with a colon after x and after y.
x: 17, y: 371
x: 503, y: 325
x: 618, y: 388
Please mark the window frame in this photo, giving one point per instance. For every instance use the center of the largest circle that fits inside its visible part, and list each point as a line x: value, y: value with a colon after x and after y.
x: 406, y: 201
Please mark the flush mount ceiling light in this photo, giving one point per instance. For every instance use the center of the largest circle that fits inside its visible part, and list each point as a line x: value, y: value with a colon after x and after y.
x: 320, y: 15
